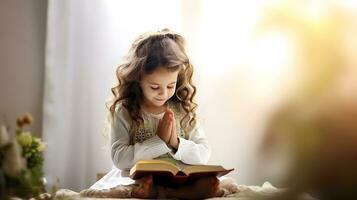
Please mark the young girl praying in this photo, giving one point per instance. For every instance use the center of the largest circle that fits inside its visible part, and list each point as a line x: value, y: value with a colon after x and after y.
x: 153, y: 117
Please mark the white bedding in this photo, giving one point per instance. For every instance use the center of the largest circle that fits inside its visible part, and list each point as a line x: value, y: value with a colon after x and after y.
x: 244, y: 192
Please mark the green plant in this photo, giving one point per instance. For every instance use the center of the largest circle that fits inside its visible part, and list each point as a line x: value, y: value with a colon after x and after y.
x: 21, y: 161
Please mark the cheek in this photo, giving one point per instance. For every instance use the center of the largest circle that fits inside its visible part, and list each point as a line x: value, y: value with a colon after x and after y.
x: 172, y: 92
x: 148, y: 93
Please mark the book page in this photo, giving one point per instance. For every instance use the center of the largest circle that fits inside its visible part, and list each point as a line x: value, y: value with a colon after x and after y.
x: 167, y: 166
x: 179, y: 165
x: 187, y: 169
x: 202, y: 168
x: 154, y: 165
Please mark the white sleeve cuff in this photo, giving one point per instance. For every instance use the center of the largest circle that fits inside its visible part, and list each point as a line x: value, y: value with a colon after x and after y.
x: 191, y: 153
x: 156, y: 146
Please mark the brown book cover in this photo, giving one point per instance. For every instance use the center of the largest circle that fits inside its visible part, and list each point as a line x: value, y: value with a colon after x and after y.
x: 175, y: 171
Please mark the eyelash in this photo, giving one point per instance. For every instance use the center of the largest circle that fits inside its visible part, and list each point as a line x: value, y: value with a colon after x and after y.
x: 170, y: 87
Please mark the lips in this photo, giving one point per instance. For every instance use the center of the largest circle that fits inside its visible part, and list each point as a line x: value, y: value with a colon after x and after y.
x: 160, y: 99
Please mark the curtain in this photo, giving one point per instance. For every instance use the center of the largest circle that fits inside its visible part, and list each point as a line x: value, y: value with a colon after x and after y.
x: 85, y: 42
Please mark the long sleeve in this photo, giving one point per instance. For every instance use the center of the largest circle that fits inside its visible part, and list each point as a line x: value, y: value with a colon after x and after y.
x: 195, y: 150
x: 124, y: 155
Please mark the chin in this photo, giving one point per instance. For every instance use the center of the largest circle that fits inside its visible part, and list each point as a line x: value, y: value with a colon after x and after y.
x: 158, y: 104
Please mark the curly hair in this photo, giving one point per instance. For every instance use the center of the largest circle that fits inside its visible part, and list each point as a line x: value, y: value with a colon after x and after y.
x: 149, y: 51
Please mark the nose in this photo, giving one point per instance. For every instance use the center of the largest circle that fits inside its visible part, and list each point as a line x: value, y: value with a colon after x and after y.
x: 163, y: 92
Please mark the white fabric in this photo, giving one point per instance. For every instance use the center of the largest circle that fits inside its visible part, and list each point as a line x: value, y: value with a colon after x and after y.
x: 124, y: 156
x: 240, y: 192
x: 194, y: 150
x: 266, y: 191
x: 85, y: 42
x: 113, y: 178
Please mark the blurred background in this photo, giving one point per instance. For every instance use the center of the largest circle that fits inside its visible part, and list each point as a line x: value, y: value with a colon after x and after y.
x: 252, y: 60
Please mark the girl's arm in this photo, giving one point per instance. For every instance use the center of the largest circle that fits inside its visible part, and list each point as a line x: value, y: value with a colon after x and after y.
x: 195, y: 150
x: 124, y: 155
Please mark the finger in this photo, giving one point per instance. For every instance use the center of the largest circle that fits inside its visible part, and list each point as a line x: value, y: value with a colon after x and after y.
x: 166, y: 132
x: 172, y: 131
x: 173, y: 128
x: 172, y: 117
x: 169, y: 111
x: 171, y: 114
x: 166, y: 115
x: 171, y: 123
x: 160, y: 123
x: 170, y: 128
x: 163, y: 122
x: 165, y: 119
x: 166, y: 124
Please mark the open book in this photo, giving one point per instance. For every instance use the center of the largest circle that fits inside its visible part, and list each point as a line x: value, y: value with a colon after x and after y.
x: 175, y: 170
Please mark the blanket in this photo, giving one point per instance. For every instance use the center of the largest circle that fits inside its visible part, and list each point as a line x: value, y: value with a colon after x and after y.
x: 240, y: 192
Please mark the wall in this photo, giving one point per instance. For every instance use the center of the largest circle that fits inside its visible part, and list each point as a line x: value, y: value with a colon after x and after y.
x: 22, y: 48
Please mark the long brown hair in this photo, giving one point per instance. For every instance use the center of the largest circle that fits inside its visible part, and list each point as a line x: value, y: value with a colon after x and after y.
x: 149, y: 51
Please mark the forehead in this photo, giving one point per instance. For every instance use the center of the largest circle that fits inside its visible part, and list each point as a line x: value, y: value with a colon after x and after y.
x: 161, y: 75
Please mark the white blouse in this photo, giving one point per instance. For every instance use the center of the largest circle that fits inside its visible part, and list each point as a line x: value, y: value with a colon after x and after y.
x: 147, y: 145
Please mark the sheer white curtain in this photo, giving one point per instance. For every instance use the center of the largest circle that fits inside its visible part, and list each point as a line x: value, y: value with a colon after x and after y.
x: 85, y: 42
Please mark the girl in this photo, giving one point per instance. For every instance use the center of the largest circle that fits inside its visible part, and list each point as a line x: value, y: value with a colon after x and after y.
x: 153, y: 117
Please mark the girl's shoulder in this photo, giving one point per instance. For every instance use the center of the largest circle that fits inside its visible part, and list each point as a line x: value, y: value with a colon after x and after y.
x: 122, y: 112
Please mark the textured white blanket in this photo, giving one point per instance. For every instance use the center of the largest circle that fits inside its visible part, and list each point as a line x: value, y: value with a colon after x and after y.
x: 242, y: 192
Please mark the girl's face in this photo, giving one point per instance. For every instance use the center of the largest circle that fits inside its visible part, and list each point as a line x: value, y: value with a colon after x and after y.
x: 159, y: 86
